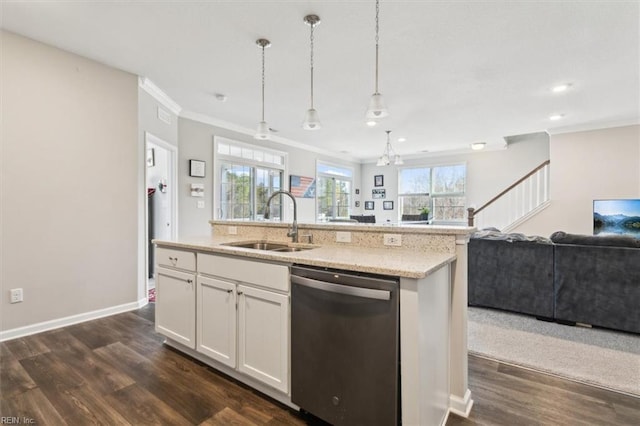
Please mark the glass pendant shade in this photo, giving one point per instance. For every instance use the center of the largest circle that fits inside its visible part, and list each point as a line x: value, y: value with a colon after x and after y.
x: 262, y: 131
x: 398, y: 161
x: 382, y: 161
x: 311, y: 120
x: 377, y: 108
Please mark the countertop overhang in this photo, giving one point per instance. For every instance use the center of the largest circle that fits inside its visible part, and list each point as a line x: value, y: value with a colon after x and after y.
x: 391, y: 261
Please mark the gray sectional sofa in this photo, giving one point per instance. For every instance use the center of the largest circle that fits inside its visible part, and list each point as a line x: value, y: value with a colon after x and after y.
x: 568, y: 278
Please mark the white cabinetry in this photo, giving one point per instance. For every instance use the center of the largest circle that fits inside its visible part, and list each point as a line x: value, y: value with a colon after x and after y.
x: 216, y: 319
x: 176, y: 296
x: 263, y: 336
x: 258, y: 329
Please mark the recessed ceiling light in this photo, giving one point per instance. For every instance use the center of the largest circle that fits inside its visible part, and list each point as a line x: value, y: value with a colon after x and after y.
x: 560, y: 88
x: 477, y: 146
x: 220, y: 97
x: 371, y: 122
x: 556, y: 117
x: 400, y: 140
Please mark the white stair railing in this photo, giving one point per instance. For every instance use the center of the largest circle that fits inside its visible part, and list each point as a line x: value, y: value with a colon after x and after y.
x: 515, y: 204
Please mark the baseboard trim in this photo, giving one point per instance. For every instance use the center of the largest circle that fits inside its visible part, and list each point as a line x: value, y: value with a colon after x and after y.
x: 70, y: 320
x: 461, y: 406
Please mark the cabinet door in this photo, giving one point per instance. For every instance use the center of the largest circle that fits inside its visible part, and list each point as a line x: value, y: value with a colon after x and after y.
x: 216, y: 320
x: 263, y: 336
x: 176, y: 306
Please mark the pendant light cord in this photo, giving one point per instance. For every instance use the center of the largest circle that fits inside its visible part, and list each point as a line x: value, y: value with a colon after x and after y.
x: 377, y: 39
x: 312, y: 26
x: 263, y: 82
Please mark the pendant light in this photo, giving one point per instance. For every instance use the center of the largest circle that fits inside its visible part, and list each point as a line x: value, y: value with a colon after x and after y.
x: 389, y: 154
x: 377, y: 108
x: 263, y: 128
x: 311, y: 118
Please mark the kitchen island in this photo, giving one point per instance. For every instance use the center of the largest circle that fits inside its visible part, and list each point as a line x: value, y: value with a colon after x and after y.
x: 430, y: 263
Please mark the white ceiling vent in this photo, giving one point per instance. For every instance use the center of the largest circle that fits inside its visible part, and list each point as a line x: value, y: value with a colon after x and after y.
x: 164, y: 115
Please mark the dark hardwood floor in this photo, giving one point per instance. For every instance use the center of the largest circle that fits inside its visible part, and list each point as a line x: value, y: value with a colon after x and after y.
x: 116, y: 371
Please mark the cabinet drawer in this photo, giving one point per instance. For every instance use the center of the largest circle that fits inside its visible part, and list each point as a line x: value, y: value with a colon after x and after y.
x: 262, y: 274
x: 176, y: 258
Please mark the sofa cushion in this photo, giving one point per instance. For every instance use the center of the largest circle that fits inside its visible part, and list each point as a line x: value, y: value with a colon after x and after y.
x: 560, y: 237
x: 489, y: 234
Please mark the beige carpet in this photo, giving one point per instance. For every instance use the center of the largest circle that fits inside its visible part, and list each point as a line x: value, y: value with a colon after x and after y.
x: 594, y: 356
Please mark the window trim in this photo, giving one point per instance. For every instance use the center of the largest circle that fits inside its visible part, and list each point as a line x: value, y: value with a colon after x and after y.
x: 218, y: 159
x: 431, y: 194
x: 319, y: 174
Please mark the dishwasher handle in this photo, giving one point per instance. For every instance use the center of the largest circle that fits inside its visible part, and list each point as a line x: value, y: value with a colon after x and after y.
x: 368, y: 293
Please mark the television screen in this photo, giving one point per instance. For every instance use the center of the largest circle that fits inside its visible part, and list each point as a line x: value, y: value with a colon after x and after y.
x: 616, y: 217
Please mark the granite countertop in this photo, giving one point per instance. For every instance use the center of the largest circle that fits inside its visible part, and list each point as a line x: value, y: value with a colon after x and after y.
x: 384, y: 260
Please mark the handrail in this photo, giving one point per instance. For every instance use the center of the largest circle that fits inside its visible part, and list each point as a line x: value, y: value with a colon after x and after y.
x: 472, y: 212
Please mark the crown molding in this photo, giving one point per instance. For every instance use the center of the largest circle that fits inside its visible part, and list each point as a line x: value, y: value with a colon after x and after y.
x: 202, y: 118
x: 148, y: 86
x: 459, y: 150
x: 594, y: 126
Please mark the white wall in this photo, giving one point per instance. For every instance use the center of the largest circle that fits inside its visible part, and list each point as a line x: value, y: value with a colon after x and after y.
x: 196, y: 142
x: 148, y: 122
x: 586, y: 166
x: 488, y: 172
x: 69, y: 199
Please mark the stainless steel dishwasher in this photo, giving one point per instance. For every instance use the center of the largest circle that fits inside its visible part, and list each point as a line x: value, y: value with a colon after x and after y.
x: 345, y: 346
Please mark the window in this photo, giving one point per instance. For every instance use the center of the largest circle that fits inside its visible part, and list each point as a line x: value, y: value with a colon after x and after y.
x: 333, y: 191
x: 448, y: 192
x: 414, y: 187
x: 440, y: 188
x: 248, y: 176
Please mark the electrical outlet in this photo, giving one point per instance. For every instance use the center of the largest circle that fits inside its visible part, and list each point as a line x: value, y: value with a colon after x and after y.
x: 343, y: 237
x: 232, y: 230
x: 392, y: 240
x: 16, y: 295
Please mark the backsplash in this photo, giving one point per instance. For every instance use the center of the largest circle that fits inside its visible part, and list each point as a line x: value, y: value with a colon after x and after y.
x: 428, y: 239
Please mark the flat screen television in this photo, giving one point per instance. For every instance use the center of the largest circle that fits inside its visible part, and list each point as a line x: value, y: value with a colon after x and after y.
x: 612, y: 217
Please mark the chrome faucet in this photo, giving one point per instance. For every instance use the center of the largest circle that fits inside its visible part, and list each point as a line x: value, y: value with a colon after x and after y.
x: 294, y: 227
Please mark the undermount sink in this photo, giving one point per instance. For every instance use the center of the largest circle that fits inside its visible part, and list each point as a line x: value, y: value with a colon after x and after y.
x: 269, y: 246
x: 290, y: 249
x: 259, y: 245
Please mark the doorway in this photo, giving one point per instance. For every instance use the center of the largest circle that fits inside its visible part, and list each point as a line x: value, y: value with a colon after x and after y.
x: 161, y: 207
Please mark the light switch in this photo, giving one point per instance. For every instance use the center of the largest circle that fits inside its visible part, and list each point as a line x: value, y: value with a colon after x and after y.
x: 201, y: 204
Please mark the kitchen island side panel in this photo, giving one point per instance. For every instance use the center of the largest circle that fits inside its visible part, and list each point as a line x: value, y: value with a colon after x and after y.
x: 425, y: 311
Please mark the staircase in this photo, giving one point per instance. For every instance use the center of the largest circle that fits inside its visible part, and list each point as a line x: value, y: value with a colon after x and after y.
x: 521, y: 200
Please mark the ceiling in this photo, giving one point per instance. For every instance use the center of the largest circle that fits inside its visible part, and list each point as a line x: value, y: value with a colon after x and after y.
x: 452, y: 73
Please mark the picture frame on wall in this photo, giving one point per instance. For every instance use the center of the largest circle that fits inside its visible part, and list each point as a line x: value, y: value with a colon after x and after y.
x: 387, y: 205
x: 378, y: 193
x: 378, y: 180
x: 197, y: 168
x: 369, y: 205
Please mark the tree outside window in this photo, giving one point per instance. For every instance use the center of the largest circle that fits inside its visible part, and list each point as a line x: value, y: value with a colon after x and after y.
x: 244, y: 191
x: 333, y: 192
x: 441, y: 189
x: 247, y: 176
